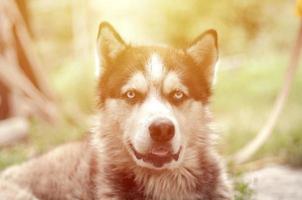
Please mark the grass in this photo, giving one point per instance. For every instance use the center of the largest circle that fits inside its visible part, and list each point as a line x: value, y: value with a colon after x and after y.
x: 242, y: 190
x: 43, y: 137
x: 243, y: 100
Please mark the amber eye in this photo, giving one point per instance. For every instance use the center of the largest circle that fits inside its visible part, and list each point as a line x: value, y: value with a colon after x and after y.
x: 131, y: 94
x: 178, y: 95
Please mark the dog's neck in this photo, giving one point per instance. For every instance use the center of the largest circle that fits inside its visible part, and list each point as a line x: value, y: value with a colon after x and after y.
x: 126, y: 181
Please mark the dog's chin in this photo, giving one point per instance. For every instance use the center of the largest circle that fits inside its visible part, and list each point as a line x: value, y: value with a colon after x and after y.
x: 156, y: 159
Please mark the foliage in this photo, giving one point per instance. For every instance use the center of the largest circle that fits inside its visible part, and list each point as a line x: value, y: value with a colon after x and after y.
x: 242, y: 190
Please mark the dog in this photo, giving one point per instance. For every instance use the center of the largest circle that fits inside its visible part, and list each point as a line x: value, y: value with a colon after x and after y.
x: 152, y: 138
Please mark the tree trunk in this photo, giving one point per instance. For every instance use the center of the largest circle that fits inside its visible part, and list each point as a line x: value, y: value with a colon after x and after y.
x: 20, y: 73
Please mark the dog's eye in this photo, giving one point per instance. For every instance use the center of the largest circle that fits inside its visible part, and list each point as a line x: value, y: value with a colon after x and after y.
x: 177, y: 96
x: 131, y: 94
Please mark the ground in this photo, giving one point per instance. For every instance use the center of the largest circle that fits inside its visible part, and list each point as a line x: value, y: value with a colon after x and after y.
x: 275, y: 183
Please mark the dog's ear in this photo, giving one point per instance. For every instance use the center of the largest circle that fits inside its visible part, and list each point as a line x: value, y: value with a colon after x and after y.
x: 204, y: 52
x: 109, y: 44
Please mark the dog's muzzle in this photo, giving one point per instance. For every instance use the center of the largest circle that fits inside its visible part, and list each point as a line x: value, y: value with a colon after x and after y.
x: 161, y: 132
x: 157, y: 156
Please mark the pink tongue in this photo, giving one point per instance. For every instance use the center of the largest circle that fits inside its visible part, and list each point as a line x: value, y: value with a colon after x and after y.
x: 160, y: 151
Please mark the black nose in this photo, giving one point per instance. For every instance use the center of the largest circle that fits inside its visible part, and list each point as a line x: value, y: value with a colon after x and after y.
x: 162, y: 130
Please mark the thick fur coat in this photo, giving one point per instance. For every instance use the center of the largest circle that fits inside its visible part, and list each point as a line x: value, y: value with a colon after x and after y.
x: 138, y: 85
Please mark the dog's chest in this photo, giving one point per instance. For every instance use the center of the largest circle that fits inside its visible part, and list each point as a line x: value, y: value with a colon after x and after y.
x: 125, y: 186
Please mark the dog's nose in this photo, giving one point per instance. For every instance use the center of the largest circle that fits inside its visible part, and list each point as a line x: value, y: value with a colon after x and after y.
x: 162, y: 130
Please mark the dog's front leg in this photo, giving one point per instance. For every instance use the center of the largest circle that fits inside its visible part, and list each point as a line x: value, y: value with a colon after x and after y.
x: 105, y: 192
x: 108, y: 196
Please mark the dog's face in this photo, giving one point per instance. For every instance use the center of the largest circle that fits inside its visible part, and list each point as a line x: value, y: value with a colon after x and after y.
x: 156, y: 96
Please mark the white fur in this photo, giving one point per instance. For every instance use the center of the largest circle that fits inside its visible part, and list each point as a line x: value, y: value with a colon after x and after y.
x: 155, y: 67
x: 98, y: 65
x: 152, y: 109
x: 173, y: 82
x: 136, y: 82
x: 216, y: 67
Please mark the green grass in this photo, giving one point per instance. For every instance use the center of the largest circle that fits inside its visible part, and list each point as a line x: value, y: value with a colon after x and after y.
x: 243, y: 99
x: 43, y: 137
x: 242, y: 190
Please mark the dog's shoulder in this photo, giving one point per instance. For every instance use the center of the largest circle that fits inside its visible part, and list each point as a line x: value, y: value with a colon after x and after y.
x: 63, y: 173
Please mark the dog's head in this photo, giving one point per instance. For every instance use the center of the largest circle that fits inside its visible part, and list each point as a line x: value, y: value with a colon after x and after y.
x: 156, y: 97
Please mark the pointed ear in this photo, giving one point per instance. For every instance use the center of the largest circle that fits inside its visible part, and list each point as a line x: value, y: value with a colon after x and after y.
x: 204, y: 52
x: 109, y: 43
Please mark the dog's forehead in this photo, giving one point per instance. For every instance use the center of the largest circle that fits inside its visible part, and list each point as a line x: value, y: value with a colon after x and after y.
x: 155, y: 67
x: 159, y: 64
x: 155, y: 75
x: 156, y: 60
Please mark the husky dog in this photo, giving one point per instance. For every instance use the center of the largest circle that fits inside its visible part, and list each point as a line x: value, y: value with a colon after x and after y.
x: 152, y: 140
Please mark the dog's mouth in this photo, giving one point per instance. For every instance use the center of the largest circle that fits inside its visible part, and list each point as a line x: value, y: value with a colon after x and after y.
x: 157, y: 156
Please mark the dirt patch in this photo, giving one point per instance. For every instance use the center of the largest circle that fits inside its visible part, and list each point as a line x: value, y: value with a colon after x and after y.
x: 275, y: 183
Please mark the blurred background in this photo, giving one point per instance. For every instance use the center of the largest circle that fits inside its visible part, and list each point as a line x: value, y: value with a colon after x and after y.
x: 47, y: 82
